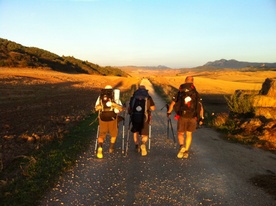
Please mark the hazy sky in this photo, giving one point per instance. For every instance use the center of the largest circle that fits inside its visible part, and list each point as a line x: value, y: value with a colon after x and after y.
x: 174, y: 33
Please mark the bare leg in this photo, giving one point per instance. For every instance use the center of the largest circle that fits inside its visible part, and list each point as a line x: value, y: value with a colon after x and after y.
x: 188, y: 144
x: 100, y: 140
x: 143, y: 145
x: 181, y: 151
x: 112, y: 143
x: 188, y: 140
x: 100, y: 147
x: 180, y: 136
x: 144, y: 139
x: 135, y: 138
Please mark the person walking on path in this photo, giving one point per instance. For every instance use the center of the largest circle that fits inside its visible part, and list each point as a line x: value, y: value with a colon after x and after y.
x: 108, y: 118
x: 188, y: 108
x: 140, y: 106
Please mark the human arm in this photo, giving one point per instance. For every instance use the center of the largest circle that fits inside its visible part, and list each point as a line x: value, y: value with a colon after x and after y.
x: 201, y: 113
x: 152, y: 105
x: 98, y: 106
x: 117, y: 106
x: 170, y: 108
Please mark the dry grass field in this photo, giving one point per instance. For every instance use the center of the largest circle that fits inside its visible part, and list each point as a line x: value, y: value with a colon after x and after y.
x: 224, y: 82
x: 212, y: 85
x: 208, y: 82
x: 37, y: 105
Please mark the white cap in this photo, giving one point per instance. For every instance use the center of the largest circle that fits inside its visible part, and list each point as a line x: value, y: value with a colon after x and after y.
x: 108, y: 87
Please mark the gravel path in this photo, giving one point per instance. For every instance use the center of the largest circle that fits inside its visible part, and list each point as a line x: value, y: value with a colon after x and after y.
x: 216, y: 173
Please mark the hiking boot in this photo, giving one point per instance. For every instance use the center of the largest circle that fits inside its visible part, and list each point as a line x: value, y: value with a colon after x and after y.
x: 143, y: 150
x: 185, y: 154
x: 100, y: 153
x: 181, y: 152
x: 137, y: 148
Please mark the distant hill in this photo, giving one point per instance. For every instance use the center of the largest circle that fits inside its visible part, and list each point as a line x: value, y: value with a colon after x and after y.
x: 15, y: 55
x: 223, y: 63
x: 159, y: 67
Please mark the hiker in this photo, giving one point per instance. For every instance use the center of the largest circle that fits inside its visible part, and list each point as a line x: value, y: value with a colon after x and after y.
x: 188, y: 107
x: 140, y: 106
x: 108, y: 108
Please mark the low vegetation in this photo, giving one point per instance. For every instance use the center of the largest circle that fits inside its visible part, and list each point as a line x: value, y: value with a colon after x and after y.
x: 239, y: 103
x: 16, y: 55
x: 40, y: 170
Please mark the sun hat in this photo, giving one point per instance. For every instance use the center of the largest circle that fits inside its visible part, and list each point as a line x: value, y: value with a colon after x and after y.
x: 108, y: 87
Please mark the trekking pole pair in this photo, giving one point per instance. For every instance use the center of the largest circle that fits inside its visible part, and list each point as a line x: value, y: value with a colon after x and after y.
x: 169, y: 124
x: 168, y: 130
x: 123, y: 138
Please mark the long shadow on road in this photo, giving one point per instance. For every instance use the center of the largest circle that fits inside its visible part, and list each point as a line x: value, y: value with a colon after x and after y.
x: 210, y: 176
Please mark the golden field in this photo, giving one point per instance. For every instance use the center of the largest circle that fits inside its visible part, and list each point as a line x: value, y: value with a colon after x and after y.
x: 224, y: 82
x: 212, y: 85
x: 38, y: 105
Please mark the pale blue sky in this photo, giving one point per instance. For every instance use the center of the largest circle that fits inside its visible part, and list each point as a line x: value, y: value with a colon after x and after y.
x: 175, y: 33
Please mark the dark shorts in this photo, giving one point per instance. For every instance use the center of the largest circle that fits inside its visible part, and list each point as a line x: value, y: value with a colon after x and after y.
x: 186, y: 124
x: 142, y: 129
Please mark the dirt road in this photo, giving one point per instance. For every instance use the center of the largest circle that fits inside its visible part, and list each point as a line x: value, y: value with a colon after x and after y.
x: 216, y: 173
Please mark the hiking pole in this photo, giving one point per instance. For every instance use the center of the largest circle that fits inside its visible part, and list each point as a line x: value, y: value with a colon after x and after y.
x: 96, y: 142
x: 127, y: 142
x: 123, y: 138
x: 166, y: 105
x: 149, y: 134
x: 93, y: 121
x: 168, y: 128
x: 170, y: 121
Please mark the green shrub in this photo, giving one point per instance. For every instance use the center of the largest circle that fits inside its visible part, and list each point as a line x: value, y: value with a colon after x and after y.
x: 239, y: 103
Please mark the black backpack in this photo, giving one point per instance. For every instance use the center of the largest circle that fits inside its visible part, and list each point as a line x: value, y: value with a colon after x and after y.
x: 139, y: 106
x: 106, y: 97
x: 187, y: 101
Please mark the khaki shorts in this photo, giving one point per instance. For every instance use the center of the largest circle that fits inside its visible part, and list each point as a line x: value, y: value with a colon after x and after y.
x: 110, y: 127
x: 186, y: 124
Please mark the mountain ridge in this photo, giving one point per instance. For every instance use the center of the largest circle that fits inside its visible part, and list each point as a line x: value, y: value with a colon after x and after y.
x: 232, y: 63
